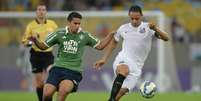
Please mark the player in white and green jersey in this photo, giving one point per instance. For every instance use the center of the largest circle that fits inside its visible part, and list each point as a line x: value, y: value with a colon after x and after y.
x: 71, y: 47
x: 67, y: 71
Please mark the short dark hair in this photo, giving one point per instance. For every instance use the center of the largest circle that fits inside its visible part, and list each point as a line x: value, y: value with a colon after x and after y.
x: 135, y: 8
x: 41, y: 4
x: 74, y: 15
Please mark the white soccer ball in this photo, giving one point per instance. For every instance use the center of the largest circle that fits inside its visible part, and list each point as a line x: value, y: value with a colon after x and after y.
x: 148, y: 89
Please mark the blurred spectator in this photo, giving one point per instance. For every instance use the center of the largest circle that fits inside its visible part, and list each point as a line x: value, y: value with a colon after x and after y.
x: 56, y: 5
x: 103, y: 5
x: 103, y: 29
x: 178, y: 31
x: 21, y: 5
x: 70, y: 5
x: 189, y: 10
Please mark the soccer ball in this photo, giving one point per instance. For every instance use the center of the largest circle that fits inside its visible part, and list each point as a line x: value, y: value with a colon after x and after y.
x: 148, y: 89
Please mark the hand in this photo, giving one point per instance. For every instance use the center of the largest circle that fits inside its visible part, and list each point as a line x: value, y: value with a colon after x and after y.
x: 152, y: 26
x: 29, y: 44
x: 99, y: 64
x: 32, y: 39
x: 113, y: 32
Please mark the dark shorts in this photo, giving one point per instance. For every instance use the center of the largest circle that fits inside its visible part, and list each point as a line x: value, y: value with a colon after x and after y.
x: 40, y: 60
x: 57, y: 74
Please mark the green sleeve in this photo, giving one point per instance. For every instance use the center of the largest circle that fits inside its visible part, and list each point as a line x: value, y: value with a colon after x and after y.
x: 92, y: 41
x: 51, y: 39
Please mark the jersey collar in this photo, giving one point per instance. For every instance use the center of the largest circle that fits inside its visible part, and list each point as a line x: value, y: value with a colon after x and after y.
x: 79, y: 30
x: 130, y: 24
x: 39, y: 22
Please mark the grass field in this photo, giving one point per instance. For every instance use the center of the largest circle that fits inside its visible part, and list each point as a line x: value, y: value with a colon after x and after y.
x: 101, y: 96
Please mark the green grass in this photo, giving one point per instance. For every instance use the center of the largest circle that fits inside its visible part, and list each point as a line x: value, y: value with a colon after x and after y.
x: 101, y: 96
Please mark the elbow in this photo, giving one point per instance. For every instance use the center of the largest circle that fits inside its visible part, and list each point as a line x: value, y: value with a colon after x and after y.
x: 43, y: 48
x: 100, y: 48
x: 166, y: 39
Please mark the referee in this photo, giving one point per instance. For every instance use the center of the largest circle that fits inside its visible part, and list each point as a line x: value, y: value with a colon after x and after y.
x: 40, y: 59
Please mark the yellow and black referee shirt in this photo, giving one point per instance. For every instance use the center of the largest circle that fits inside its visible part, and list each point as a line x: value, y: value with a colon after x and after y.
x: 34, y: 28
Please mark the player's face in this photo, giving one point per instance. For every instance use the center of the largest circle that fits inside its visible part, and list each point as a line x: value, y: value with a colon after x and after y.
x: 136, y: 18
x: 74, y: 24
x: 41, y: 11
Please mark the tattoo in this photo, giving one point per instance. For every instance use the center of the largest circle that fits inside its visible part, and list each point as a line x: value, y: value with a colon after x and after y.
x: 157, y: 35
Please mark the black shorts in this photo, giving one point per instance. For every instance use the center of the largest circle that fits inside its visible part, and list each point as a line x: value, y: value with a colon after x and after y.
x: 57, y: 74
x: 40, y: 60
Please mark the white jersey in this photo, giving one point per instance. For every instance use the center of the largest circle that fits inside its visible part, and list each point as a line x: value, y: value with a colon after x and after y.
x: 136, y: 41
x: 135, y: 49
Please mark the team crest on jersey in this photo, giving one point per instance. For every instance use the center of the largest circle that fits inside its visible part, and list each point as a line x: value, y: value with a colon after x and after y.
x: 142, y: 30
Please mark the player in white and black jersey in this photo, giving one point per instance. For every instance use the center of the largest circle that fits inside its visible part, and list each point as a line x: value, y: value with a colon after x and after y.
x: 137, y: 39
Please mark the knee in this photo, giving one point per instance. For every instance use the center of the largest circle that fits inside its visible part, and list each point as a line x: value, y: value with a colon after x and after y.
x: 47, y: 95
x: 125, y: 73
x: 48, y: 91
x: 39, y: 83
x: 63, y: 92
x: 123, y: 70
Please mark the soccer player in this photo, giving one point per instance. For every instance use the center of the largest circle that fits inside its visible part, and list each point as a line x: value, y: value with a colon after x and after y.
x: 40, y: 59
x: 137, y: 39
x: 66, y: 73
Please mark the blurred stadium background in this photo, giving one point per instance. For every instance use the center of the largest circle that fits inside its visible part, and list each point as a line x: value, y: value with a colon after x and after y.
x: 177, y: 69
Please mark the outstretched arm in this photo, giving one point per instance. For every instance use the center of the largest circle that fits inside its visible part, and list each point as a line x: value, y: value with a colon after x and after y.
x: 38, y: 43
x: 104, y: 42
x: 159, y: 33
x: 112, y: 45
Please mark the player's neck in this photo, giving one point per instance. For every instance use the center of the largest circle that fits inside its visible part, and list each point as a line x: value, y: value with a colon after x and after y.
x: 41, y: 20
x: 71, y: 31
x: 136, y: 25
